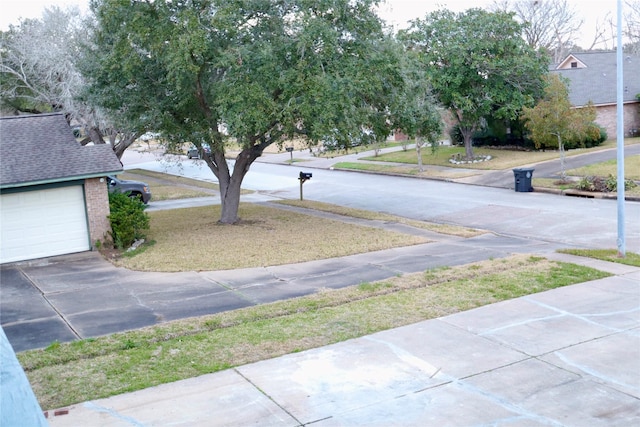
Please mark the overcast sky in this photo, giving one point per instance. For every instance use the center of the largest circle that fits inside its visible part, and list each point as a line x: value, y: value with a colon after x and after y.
x: 396, y: 12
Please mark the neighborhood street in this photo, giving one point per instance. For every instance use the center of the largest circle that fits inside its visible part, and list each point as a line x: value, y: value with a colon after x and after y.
x: 582, y: 222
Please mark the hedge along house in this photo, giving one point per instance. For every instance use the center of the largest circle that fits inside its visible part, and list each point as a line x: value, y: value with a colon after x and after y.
x: 592, y: 77
x: 53, y: 193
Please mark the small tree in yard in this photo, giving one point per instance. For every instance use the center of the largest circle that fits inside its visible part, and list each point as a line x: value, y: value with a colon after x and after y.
x: 554, y: 120
x: 414, y: 109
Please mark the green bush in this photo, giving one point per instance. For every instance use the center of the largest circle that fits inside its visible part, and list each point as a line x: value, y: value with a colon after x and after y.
x: 596, y: 135
x: 128, y: 219
x: 603, y: 185
x: 455, y: 135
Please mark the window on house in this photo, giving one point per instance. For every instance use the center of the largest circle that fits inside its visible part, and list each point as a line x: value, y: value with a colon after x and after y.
x: 574, y: 65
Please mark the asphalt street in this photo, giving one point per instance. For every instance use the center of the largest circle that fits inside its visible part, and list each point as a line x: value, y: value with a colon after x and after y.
x: 489, y: 203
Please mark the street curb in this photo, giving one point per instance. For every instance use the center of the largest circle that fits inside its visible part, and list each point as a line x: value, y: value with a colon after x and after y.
x: 585, y: 194
x: 569, y: 192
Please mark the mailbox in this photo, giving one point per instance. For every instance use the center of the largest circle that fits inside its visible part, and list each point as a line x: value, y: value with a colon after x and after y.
x: 304, y: 177
x: 289, y: 149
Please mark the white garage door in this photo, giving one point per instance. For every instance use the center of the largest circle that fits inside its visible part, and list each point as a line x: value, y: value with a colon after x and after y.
x: 42, y: 223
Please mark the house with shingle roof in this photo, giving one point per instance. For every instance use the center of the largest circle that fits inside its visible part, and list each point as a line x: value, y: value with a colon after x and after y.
x: 592, y: 77
x: 53, y: 192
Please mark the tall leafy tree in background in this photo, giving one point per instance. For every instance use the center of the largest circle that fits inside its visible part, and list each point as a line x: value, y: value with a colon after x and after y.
x: 553, y: 121
x: 255, y: 70
x: 39, y: 74
x: 414, y: 108
x: 478, y: 65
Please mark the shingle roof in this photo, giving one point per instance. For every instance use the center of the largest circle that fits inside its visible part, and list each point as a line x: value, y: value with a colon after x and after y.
x: 597, y: 82
x: 38, y: 149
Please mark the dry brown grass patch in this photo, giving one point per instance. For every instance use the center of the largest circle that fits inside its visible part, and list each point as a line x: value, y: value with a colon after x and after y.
x: 453, y: 230
x: 191, y: 239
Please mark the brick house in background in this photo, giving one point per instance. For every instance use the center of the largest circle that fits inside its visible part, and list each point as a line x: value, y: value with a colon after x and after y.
x: 592, y: 77
x: 53, y: 193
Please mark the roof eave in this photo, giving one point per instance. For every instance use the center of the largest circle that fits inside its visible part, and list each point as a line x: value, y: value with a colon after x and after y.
x: 58, y: 180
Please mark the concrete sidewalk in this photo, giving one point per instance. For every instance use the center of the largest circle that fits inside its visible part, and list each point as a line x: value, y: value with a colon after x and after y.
x: 565, y: 357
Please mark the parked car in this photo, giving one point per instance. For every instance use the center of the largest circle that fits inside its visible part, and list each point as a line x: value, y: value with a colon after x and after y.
x: 332, y: 142
x: 194, y: 152
x: 136, y: 189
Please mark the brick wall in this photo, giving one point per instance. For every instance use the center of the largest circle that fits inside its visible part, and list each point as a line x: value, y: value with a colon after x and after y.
x: 97, y: 198
x: 607, y: 118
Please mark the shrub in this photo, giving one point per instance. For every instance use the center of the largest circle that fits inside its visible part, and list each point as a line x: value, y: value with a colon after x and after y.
x: 455, y: 135
x: 603, y: 185
x: 596, y: 135
x: 128, y: 219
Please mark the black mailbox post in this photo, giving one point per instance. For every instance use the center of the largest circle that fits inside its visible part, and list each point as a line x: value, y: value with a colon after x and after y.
x: 290, y: 151
x: 304, y: 176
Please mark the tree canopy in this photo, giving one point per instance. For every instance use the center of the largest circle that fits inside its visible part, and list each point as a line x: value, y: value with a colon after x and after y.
x: 204, y: 70
x: 414, y: 108
x: 478, y: 64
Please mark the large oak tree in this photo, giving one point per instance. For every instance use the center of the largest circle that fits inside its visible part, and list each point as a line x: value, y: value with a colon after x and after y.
x: 254, y: 70
x: 478, y: 65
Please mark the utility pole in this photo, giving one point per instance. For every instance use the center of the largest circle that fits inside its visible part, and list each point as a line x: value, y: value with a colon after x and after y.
x: 620, y: 135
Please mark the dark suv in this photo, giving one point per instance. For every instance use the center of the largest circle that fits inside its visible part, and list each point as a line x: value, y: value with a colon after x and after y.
x: 194, y: 152
x: 137, y: 189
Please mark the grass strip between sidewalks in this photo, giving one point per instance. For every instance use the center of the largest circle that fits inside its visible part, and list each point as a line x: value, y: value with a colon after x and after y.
x: 68, y: 373
x: 610, y: 255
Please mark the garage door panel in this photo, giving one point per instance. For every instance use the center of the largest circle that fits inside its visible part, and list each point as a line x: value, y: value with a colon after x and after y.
x: 36, y: 224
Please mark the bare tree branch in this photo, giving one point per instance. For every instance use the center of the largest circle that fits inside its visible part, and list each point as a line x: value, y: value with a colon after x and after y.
x: 551, y: 25
x: 39, y: 74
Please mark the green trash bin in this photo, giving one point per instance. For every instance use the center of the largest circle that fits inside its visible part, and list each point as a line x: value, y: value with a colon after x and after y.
x: 523, y: 178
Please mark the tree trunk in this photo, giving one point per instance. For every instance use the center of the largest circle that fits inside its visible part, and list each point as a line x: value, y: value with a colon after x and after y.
x: 231, y: 182
x: 468, y: 148
x: 123, y: 143
x: 230, y: 202
x: 419, y: 152
x: 563, y: 172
